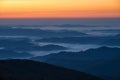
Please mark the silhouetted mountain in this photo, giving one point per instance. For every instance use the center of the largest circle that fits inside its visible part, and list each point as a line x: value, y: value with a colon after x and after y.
x: 107, y: 40
x: 49, y: 47
x: 24, y: 44
x: 31, y: 70
x: 73, y: 25
x: 108, y: 30
x: 53, y: 47
x: 6, y: 54
x: 114, y: 41
x: 15, y: 42
x: 103, y: 61
x: 38, y: 32
x: 77, y: 40
x: 118, y: 35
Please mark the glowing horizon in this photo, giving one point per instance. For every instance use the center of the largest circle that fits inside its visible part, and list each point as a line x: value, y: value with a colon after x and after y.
x: 59, y: 8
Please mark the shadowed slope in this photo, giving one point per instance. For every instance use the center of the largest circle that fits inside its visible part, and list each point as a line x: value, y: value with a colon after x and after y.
x: 31, y: 70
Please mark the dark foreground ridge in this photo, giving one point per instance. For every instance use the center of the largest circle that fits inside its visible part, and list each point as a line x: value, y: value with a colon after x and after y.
x: 32, y: 70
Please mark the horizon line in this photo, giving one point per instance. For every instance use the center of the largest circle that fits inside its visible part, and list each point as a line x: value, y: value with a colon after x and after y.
x: 59, y: 17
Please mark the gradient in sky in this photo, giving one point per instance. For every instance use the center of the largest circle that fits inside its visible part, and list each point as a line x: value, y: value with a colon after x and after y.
x: 59, y: 8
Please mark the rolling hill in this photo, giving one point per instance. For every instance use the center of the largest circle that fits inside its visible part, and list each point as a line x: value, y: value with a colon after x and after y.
x: 31, y: 70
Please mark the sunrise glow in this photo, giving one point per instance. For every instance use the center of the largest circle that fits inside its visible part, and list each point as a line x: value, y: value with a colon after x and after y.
x: 59, y: 8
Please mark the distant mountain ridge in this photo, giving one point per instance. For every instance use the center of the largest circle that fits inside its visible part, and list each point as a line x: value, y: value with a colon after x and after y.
x: 39, y: 32
x: 98, y: 40
x: 10, y: 54
x: 76, y: 40
x: 24, y: 44
x: 103, y: 61
x: 114, y: 41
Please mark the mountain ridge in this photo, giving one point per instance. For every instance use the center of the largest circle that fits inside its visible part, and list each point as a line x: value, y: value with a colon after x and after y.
x: 31, y: 70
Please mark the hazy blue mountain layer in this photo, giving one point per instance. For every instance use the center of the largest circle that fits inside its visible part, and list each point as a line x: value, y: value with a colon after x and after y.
x: 103, y: 61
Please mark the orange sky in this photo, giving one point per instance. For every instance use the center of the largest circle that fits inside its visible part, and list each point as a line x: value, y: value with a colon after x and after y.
x: 59, y: 8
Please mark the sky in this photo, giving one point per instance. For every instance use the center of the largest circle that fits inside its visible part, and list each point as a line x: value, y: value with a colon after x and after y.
x: 59, y: 8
